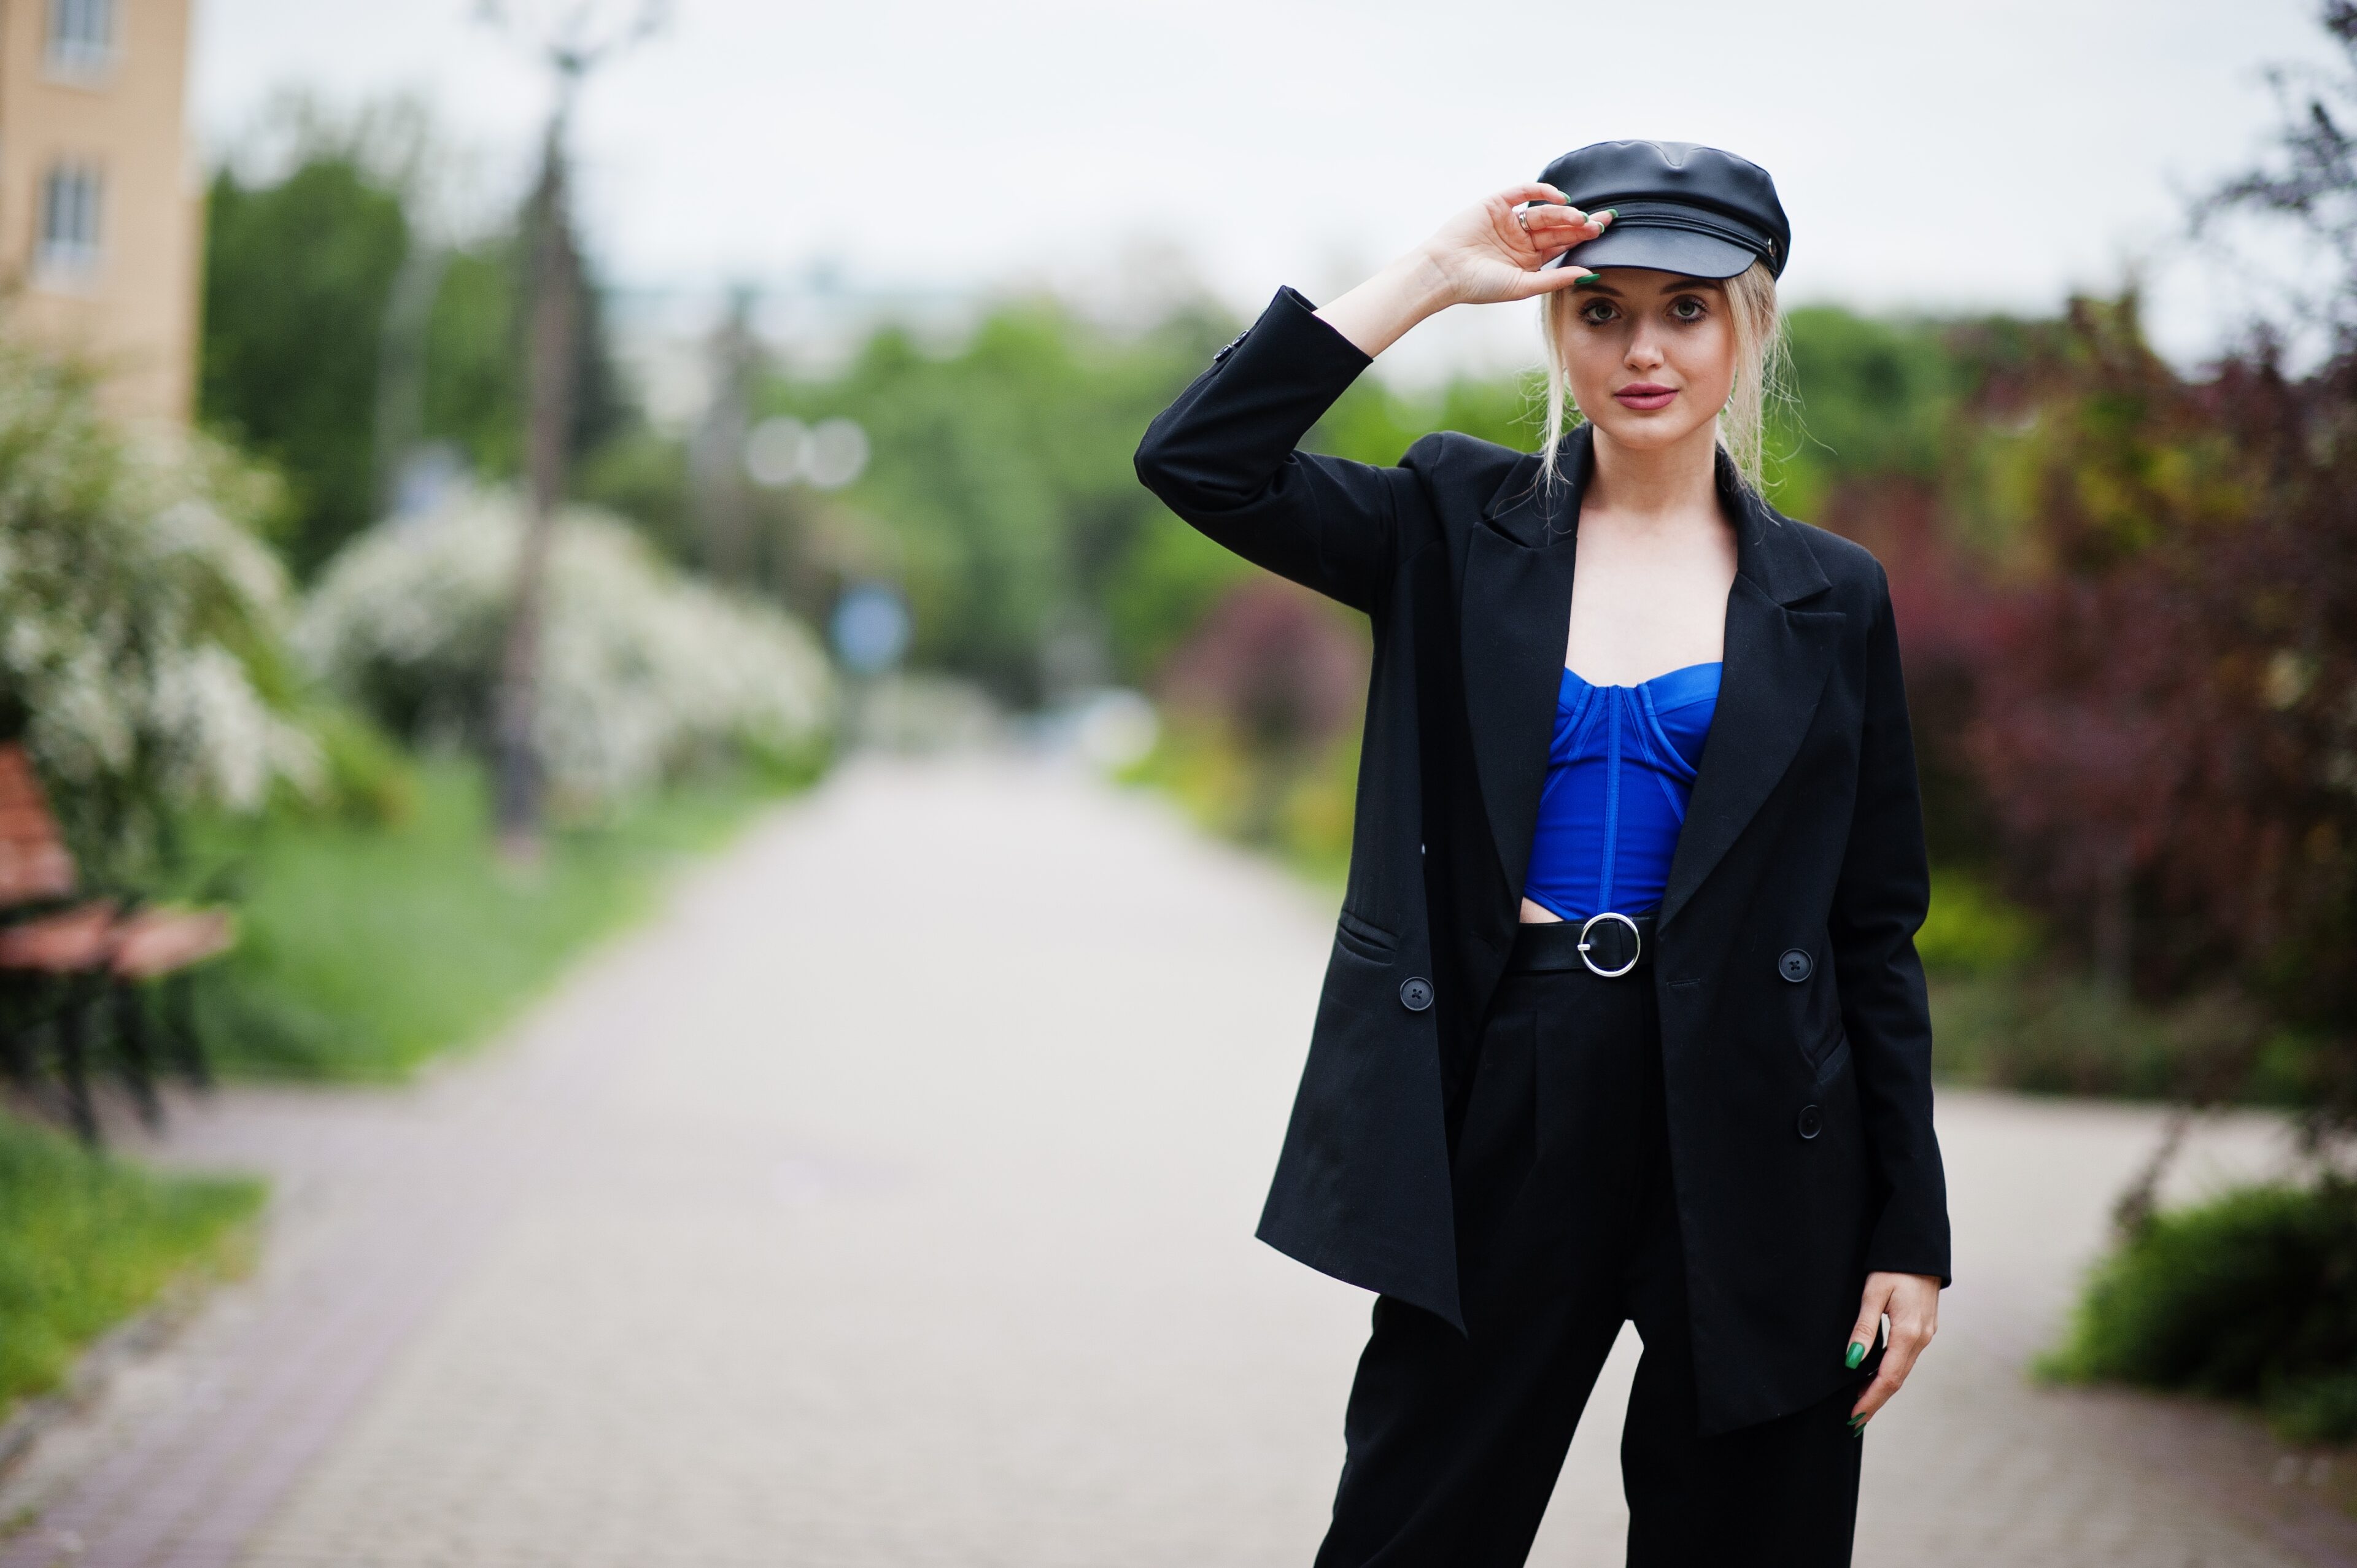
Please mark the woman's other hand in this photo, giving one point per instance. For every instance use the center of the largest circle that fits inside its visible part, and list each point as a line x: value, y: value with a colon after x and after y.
x: 1491, y: 253
x: 1913, y: 1303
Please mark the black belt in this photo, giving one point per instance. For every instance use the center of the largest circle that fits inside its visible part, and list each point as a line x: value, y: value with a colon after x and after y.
x: 1609, y: 945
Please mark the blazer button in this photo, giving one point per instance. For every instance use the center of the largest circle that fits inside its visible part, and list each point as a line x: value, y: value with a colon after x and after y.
x: 1811, y: 1123
x: 1795, y: 965
x: 1415, y: 994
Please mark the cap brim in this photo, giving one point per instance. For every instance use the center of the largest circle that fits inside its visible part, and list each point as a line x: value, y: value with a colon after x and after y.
x: 1680, y: 251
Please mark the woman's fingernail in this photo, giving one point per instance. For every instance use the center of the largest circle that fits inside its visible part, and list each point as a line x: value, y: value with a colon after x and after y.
x: 1601, y: 217
x: 1855, y: 1422
x: 1584, y: 282
x: 1856, y: 1354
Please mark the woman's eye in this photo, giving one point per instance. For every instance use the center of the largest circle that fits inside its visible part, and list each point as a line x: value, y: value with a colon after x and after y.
x: 1597, y: 315
x: 1686, y: 309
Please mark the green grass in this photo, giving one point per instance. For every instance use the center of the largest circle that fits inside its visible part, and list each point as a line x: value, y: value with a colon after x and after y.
x: 86, y: 1240
x: 366, y: 949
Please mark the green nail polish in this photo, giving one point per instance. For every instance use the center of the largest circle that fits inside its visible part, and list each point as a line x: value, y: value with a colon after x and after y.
x: 1601, y: 217
x: 1583, y: 282
x: 1856, y: 1354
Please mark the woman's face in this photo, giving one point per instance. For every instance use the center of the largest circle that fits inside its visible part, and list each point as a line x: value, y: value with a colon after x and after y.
x: 1651, y: 355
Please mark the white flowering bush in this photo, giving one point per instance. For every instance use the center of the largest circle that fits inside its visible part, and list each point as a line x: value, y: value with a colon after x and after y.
x: 141, y: 621
x: 644, y: 672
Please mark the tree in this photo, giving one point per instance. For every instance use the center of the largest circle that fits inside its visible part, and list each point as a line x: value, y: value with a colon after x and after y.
x: 146, y: 667
x: 2311, y: 184
x: 297, y: 276
x: 301, y: 275
x: 2168, y: 716
x: 1001, y: 495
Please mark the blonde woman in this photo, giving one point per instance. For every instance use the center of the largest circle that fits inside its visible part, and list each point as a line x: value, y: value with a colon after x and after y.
x: 1623, y: 1020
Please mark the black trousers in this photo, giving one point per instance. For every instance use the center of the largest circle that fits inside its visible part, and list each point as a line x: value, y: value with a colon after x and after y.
x: 1566, y: 1228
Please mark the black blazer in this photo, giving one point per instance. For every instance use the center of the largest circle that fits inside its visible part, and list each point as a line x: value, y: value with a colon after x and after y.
x: 1795, y: 1038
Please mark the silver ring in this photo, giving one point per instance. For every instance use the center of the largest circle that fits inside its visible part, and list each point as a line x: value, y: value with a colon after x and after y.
x: 1523, y: 216
x: 1636, y: 941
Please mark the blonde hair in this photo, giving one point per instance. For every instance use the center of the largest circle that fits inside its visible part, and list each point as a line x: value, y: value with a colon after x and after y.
x: 1759, y: 371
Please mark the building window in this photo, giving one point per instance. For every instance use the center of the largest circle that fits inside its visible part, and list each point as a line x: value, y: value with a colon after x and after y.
x: 81, y: 37
x: 73, y: 199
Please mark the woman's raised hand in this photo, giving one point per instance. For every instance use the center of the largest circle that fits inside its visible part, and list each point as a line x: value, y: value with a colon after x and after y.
x: 1493, y: 251
x: 1488, y: 253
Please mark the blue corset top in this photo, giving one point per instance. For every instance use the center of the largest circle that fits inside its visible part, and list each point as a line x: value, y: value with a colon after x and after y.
x: 1618, y: 775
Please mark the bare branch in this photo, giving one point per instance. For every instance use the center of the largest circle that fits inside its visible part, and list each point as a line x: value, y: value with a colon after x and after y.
x: 2310, y: 179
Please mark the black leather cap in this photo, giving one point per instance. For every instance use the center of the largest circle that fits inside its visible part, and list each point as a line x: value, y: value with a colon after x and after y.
x: 1677, y: 207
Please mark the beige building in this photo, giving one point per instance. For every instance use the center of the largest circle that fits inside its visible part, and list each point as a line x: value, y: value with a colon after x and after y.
x: 101, y: 206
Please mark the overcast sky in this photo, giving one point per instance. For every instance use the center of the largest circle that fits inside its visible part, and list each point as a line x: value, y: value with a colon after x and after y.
x: 1972, y: 152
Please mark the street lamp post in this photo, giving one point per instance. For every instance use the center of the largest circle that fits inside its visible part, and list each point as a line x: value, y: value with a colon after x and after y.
x: 573, y: 38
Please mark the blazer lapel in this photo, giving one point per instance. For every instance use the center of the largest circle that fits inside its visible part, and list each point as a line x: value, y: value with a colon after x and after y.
x: 1515, y: 620
x: 1776, y: 662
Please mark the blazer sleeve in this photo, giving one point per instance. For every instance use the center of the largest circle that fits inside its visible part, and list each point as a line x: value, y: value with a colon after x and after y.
x: 1223, y: 457
x: 1880, y: 902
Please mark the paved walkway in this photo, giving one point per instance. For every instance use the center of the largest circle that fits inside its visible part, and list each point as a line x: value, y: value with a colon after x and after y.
x: 890, y: 1202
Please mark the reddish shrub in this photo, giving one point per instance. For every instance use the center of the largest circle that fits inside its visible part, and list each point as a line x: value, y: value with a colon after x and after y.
x: 1272, y: 662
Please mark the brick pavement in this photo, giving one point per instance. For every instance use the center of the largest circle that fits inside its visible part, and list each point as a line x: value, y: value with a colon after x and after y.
x: 890, y: 1202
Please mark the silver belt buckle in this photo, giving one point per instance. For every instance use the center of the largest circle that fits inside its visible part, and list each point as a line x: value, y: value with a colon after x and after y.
x: 1636, y: 945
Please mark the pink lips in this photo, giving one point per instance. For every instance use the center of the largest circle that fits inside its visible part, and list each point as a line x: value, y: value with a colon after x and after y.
x: 1645, y: 395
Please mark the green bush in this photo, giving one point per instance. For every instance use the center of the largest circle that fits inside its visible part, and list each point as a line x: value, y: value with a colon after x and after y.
x: 2252, y: 1296
x: 144, y: 663
x: 86, y: 1240
x: 1298, y: 807
x: 2058, y: 1032
x: 645, y: 674
x: 1970, y: 930
x: 365, y: 777
x: 2054, y: 1033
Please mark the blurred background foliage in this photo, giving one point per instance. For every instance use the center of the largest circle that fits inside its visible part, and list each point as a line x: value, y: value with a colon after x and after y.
x: 339, y: 321
x: 1001, y: 494
x: 296, y: 277
x: 2118, y: 585
x: 255, y: 662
